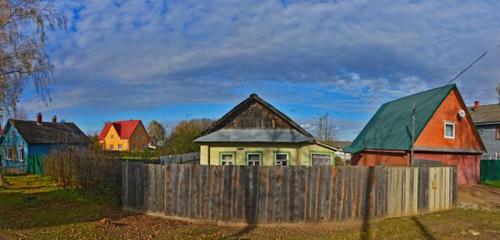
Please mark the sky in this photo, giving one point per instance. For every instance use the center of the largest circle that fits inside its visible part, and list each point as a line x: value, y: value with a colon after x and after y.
x: 177, y: 60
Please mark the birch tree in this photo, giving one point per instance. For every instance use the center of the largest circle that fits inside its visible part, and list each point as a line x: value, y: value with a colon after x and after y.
x: 23, y: 57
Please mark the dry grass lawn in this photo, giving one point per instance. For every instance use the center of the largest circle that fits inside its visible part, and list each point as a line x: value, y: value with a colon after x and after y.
x: 35, y: 208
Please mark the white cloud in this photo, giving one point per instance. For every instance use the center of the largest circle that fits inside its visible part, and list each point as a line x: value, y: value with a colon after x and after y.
x: 366, y: 51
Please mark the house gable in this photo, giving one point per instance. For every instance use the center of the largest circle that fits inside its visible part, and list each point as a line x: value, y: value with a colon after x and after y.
x: 12, y: 137
x: 112, y: 140
x: 255, y: 113
x: 466, y: 137
x: 139, y: 138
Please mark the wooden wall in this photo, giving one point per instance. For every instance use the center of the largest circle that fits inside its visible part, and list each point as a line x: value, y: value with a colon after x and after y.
x: 250, y: 194
x: 257, y: 116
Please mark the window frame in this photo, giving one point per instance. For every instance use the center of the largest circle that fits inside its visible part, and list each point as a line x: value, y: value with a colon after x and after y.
x: 446, y: 123
x: 227, y: 153
x: 20, y: 153
x: 497, y: 133
x: 261, y: 158
x: 11, y: 153
x: 497, y: 156
x: 119, y: 146
x: 322, y: 153
x: 111, y: 147
x: 287, y: 158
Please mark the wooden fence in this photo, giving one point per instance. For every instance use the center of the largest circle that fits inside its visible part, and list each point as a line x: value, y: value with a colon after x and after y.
x: 185, y: 158
x: 252, y: 194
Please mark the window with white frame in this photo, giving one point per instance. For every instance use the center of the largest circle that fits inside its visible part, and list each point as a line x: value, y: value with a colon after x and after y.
x: 449, y: 130
x: 227, y: 158
x: 120, y: 147
x: 321, y: 159
x: 20, y: 153
x: 497, y: 155
x: 281, y: 159
x: 254, y: 159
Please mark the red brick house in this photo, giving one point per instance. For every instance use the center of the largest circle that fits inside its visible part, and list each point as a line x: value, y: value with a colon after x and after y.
x: 443, y: 130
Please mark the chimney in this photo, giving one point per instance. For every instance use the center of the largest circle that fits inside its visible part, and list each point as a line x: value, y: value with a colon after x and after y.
x: 477, y: 105
x: 54, y: 119
x: 39, y: 118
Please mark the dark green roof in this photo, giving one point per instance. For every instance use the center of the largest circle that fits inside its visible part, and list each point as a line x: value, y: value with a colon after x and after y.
x: 390, y: 127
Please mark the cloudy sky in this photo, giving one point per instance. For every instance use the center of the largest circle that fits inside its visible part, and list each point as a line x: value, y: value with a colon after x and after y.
x: 174, y: 60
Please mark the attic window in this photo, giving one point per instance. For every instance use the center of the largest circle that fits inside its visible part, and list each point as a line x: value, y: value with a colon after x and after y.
x: 449, y: 130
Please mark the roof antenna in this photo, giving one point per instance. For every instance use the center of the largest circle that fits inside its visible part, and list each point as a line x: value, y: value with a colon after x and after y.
x: 413, y: 113
x: 470, y: 66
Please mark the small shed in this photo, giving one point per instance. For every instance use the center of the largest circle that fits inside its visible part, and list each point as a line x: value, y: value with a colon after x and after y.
x: 24, y: 143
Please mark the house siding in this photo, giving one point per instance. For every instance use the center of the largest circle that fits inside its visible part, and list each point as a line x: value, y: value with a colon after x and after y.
x: 139, y: 139
x: 468, y: 166
x: 488, y: 135
x: 465, y: 135
x: 381, y: 158
x: 12, y: 139
x: 299, y: 154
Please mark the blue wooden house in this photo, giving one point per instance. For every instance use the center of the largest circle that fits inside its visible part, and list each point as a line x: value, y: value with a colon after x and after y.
x: 24, y: 143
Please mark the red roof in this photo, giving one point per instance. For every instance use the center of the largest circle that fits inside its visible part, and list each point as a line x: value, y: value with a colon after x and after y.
x: 124, y: 128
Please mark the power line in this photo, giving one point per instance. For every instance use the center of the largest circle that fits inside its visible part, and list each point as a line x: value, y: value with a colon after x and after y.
x: 470, y: 66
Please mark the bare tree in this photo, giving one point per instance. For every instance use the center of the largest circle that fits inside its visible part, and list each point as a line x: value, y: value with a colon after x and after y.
x: 20, y: 113
x: 498, y: 92
x: 156, y: 131
x: 23, y: 26
x: 326, y: 128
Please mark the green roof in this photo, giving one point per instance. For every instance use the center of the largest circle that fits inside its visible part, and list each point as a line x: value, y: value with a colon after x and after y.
x: 390, y: 127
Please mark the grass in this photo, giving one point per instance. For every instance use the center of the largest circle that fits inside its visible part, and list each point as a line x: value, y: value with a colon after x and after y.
x: 36, y: 208
x: 492, y: 183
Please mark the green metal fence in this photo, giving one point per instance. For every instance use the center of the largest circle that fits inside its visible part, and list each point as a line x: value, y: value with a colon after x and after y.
x: 490, y: 170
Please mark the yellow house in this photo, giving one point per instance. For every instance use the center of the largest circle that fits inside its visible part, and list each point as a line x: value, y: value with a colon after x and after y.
x: 256, y: 133
x: 129, y: 135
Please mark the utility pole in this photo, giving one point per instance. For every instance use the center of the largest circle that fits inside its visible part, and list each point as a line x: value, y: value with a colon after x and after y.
x: 412, y: 132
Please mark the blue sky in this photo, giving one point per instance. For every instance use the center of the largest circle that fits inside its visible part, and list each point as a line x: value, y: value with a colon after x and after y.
x: 173, y: 60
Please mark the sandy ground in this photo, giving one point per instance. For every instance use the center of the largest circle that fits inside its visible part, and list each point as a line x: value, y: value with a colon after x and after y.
x: 481, y: 195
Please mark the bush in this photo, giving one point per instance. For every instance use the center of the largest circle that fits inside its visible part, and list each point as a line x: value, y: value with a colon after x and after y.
x: 88, y: 171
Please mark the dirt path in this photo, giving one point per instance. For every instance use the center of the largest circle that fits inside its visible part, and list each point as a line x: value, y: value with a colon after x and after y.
x: 480, y: 195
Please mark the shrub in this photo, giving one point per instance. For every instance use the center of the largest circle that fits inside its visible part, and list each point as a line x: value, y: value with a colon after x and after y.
x: 91, y: 172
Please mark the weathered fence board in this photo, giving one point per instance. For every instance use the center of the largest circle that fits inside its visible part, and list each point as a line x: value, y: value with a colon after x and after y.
x: 252, y: 194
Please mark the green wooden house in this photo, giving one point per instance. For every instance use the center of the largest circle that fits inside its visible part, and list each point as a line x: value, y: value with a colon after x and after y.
x: 256, y: 133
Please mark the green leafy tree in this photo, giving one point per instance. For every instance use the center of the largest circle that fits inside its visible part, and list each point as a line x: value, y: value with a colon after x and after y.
x: 185, y: 132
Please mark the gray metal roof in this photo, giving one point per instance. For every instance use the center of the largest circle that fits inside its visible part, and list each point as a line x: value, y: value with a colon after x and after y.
x: 255, y: 135
x: 49, y: 133
x: 486, y: 114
